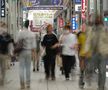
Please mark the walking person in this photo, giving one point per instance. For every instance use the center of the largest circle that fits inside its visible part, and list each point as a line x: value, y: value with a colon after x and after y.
x: 25, y: 55
x: 98, y: 42
x: 37, y: 59
x: 69, y: 45
x: 50, y: 43
x: 5, y: 41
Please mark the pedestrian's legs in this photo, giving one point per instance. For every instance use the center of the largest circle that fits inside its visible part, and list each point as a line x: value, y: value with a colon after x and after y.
x: 82, y: 71
x: 34, y: 64
x: 52, y: 68
x: 66, y: 65
x: 3, y: 68
x: 21, y: 70
x: 102, y: 73
x: 28, y: 68
x: 47, y: 66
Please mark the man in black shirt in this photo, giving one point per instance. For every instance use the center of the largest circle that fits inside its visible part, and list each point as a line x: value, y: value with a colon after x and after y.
x: 50, y: 43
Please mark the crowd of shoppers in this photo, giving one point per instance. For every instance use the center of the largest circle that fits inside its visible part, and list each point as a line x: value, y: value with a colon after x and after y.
x: 90, y: 43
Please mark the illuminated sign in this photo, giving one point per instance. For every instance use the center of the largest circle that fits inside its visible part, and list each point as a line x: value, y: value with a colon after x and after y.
x: 45, y: 8
x: 78, y: 1
x: 73, y: 23
x: 2, y: 8
x: 32, y: 3
x: 106, y: 19
x: 78, y: 7
x: 44, y: 4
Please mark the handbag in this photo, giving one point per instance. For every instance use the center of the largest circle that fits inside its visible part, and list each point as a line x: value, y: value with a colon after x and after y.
x: 19, y: 47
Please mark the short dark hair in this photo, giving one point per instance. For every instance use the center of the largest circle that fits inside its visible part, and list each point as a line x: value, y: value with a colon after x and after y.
x: 26, y: 23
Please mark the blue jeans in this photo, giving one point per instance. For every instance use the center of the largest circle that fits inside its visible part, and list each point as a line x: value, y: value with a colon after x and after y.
x: 25, y: 66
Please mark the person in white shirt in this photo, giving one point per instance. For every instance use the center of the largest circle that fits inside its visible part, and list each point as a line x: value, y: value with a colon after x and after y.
x: 69, y: 45
x: 29, y: 45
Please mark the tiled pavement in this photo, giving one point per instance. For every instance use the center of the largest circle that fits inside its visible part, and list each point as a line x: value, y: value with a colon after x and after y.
x: 39, y: 83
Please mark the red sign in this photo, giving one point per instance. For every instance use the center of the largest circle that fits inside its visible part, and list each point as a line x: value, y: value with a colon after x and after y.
x: 61, y: 23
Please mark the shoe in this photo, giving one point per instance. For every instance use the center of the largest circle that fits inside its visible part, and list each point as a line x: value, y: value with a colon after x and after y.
x: 37, y: 69
x: 22, y: 87
x: 67, y: 79
x: 34, y: 70
x: 47, y: 77
x: 101, y: 88
x: 28, y: 86
x: 53, y: 78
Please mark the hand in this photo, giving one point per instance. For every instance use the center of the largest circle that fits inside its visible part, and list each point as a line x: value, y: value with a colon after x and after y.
x: 55, y: 46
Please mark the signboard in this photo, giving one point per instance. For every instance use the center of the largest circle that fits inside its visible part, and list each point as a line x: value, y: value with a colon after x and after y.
x: 106, y: 19
x: 78, y: 1
x: 83, y: 8
x: 40, y: 18
x: 2, y: 8
x: 73, y: 23
x: 44, y: 4
x: 61, y: 23
x: 78, y: 7
x: 45, y: 8
x: 32, y: 3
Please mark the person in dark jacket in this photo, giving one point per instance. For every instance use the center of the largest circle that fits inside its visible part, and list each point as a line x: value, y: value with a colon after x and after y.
x: 50, y: 43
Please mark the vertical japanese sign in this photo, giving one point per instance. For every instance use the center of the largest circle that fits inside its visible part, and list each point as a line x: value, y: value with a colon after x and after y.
x: 61, y: 23
x: 73, y: 22
x: 2, y: 8
x: 83, y: 8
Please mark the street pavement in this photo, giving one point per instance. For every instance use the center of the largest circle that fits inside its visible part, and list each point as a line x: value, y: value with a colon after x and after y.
x: 38, y: 81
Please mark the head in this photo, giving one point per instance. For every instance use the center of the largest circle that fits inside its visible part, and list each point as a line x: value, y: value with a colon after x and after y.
x: 67, y: 28
x: 26, y: 24
x: 49, y: 28
x: 98, y: 20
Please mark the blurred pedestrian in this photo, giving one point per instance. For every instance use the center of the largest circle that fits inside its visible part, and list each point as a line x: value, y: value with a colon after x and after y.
x: 98, y: 42
x: 29, y: 45
x: 5, y: 40
x: 69, y: 45
x: 50, y: 43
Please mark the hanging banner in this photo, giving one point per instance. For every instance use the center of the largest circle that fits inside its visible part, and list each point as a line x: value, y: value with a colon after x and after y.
x: 83, y: 9
x: 44, y: 4
x: 2, y: 8
x: 61, y: 23
x: 77, y: 1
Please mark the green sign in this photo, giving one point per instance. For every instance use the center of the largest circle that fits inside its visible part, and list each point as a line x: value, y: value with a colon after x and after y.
x: 106, y: 19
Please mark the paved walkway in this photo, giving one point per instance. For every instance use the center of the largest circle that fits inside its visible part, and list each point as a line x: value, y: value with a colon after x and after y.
x: 39, y: 83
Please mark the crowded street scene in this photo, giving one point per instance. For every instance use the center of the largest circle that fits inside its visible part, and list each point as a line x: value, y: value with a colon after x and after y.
x: 53, y: 44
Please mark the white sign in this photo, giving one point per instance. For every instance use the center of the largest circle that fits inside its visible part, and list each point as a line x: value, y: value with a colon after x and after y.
x: 78, y: 7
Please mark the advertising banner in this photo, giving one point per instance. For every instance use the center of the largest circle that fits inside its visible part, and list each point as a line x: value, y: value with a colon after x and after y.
x: 2, y: 8
x: 44, y: 4
x: 77, y: 1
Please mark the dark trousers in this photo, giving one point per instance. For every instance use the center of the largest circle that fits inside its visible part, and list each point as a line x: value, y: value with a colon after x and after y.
x: 68, y: 63
x: 49, y: 65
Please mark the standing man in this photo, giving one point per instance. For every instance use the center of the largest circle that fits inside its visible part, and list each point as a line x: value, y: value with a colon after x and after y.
x: 29, y: 46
